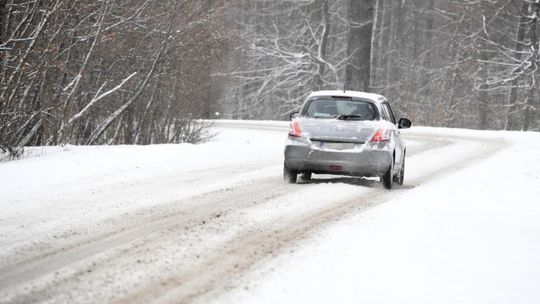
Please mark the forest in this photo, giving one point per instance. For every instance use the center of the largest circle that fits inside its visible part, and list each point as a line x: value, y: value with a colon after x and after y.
x: 91, y: 72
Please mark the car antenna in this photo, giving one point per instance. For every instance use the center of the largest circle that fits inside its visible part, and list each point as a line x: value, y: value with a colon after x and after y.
x: 344, y: 91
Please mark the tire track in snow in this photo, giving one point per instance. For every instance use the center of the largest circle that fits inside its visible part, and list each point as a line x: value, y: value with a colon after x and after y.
x: 244, y: 252
x: 19, y: 244
x: 211, y: 203
x: 189, y: 212
x: 45, y: 263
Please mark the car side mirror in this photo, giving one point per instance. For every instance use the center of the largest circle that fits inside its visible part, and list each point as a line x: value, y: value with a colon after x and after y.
x: 404, y: 123
x: 293, y: 115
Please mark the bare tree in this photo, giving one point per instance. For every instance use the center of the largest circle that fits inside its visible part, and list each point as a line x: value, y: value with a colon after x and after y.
x: 88, y: 72
x: 294, y: 47
x: 143, y: 71
x: 358, y: 69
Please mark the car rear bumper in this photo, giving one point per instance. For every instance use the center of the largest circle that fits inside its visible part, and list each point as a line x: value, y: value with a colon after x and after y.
x: 366, y: 161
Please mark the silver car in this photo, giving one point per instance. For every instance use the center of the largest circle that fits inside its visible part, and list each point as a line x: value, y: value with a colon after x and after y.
x: 346, y: 133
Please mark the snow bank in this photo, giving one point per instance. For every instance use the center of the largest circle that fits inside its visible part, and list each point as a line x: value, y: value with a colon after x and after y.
x: 76, y: 186
x: 468, y: 237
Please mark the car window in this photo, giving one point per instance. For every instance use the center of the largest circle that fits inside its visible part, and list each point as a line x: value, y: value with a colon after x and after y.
x: 384, y: 113
x: 334, y: 107
x: 391, y: 114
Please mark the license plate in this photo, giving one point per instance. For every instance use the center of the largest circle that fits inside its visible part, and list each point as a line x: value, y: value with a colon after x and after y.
x: 336, y: 145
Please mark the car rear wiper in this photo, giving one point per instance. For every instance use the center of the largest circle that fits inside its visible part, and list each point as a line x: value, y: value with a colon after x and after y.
x: 348, y: 117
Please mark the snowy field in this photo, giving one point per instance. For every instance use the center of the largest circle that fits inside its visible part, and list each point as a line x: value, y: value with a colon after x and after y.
x: 471, y: 236
x: 215, y: 223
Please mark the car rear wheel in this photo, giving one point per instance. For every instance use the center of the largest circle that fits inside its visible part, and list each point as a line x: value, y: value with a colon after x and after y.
x: 401, y: 176
x: 387, y: 179
x: 306, y: 175
x: 289, y: 175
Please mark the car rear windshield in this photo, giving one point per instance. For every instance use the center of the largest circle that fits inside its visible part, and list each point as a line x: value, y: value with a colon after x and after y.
x: 340, y: 108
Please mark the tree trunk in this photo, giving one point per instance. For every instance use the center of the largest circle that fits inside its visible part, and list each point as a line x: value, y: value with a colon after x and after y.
x: 358, y: 70
x: 535, y: 49
x: 510, y: 123
x: 377, y: 43
x: 323, y: 44
x: 428, y: 55
x: 386, y: 46
x: 482, y: 98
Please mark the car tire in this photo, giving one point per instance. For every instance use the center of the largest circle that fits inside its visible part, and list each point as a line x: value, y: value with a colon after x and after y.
x: 289, y: 175
x: 400, y: 178
x: 387, y: 179
x: 306, y: 176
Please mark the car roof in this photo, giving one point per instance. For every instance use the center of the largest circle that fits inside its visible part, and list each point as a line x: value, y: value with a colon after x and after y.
x: 354, y: 94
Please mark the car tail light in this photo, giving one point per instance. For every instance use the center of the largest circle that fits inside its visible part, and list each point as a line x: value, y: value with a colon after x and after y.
x: 336, y: 168
x: 295, y: 129
x: 381, y: 136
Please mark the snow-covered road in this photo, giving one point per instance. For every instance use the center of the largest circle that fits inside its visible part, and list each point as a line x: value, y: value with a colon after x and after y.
x: 195, y: 223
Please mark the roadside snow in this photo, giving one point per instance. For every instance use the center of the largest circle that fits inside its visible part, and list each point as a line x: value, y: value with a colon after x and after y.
x: 469, y: 237
x: 76, y: 186
x: 464, y: 229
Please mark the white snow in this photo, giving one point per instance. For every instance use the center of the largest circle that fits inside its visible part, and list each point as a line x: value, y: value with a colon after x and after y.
x: 472, y: 236
x: 465, y: 229
x: 70, y: 187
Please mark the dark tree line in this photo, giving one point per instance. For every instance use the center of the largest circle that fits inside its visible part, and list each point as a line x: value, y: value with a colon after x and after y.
x: 286, y: 49
x: 110, y: 71
x: 457, y: 63
x: 461, y: 63
x: 145, y: 71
